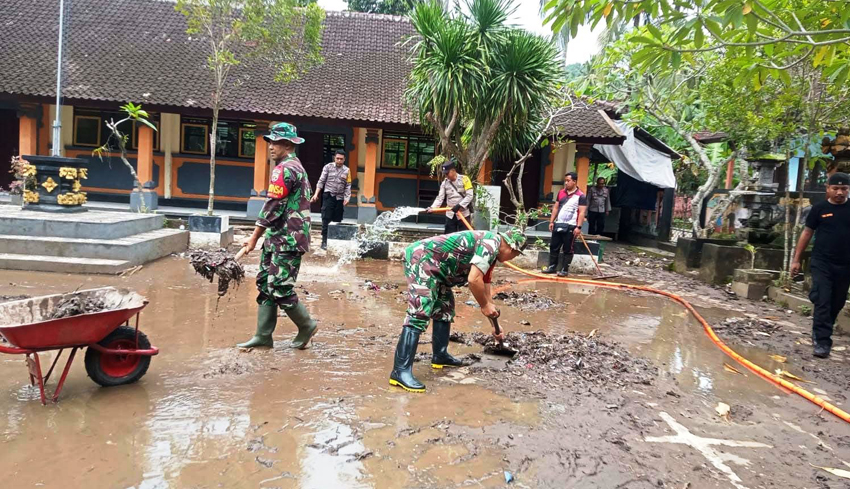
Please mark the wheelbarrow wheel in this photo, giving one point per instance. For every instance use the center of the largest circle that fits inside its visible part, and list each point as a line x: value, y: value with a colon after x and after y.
x: 110, y: 370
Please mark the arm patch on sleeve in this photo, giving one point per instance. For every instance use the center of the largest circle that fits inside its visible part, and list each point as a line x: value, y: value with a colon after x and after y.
x: 277, y: 184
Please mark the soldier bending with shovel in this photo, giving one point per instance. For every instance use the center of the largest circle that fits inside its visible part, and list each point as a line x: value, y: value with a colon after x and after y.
x: 433, y: 266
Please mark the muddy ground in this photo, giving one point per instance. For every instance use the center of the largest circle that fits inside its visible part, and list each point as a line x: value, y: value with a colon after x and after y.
x: 635, y: 369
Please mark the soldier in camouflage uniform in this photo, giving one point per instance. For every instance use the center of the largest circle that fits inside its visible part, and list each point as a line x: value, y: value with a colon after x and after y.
x: 284, y: 222
x: 433, y: 266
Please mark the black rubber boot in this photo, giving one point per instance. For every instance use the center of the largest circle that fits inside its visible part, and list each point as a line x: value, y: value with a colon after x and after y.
x: 439, y: 346
x: 402, y: 374
x: 564, y: 265
x: 821, y: 351
x: 325, y: 226
x: 553, y: 264
x: 306, y: 326
x: 266, y: 322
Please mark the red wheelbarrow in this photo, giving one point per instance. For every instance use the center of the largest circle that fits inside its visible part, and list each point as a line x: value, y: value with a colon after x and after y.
x: 116, y: 353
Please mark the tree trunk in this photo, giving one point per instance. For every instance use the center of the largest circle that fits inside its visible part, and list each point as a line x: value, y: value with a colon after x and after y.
x: 786, y: 248
x: 801, y: 172
x: 213, y: 133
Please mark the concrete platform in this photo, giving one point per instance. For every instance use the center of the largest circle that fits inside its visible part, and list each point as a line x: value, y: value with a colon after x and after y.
x: 91, y: 224
x: 90, y: 242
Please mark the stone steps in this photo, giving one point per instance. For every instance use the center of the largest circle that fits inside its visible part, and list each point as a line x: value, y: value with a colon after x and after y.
x: 84, y: 242
x: 136, y: 250
x: 40, y: 263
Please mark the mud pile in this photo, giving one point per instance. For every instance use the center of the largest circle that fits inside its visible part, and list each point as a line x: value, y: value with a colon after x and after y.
x: 208, y: 264
x: 574, y: 358
x: 527, y: 301
x: 75, y: 306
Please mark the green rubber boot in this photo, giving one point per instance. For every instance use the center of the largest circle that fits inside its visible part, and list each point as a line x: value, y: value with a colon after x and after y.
x: 266, y: 322
x: 306, y: 326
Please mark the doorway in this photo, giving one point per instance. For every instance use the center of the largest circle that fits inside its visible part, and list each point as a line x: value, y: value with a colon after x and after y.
x: 8, y: 145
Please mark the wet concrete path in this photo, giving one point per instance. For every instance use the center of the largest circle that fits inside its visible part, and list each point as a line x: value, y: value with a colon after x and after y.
x: 208, y: 415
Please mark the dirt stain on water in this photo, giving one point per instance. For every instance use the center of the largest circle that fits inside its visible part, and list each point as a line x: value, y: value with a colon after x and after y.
x: 208, y: 415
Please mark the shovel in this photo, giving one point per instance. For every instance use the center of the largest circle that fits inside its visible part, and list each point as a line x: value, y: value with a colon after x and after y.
x: 600, y: 275
x: 501, y: 348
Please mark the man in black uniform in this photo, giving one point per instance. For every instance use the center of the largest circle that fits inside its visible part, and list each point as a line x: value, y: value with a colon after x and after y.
x: 829, y: 222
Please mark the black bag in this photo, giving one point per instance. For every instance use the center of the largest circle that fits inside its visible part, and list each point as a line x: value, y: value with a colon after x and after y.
x: 562, y: 227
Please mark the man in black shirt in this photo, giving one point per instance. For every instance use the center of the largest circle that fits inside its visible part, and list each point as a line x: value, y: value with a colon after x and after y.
x: 829, y: 222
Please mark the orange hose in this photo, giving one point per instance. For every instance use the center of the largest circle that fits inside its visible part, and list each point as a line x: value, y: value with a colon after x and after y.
x: 761, y: 372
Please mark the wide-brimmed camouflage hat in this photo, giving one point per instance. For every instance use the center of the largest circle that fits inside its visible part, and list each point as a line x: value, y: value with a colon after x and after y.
x: 515, y: 239
x: 283, y: 130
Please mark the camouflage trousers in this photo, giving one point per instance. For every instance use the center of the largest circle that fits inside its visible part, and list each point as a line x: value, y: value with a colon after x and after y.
x: 427, y: 299
x: 276, y: 280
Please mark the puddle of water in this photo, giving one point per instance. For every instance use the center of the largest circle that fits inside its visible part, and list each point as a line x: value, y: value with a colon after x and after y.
x: 208, y: 415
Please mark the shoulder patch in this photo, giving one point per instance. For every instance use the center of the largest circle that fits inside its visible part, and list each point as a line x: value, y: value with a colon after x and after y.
x: 467, y: 183
x: 277, y: 185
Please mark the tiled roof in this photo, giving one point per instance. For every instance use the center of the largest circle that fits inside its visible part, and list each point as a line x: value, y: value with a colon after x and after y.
x: 138, y: 51
x: 587, y: 123
x: 708, y: 137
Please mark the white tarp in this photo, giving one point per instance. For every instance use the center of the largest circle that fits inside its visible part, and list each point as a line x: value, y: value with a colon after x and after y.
x: 640, y: 161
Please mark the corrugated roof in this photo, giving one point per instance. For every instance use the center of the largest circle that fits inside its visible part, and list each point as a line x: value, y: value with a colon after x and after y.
x: 138, y: 51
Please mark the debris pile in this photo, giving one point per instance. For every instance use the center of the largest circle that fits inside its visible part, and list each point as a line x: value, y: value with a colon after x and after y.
x: 569, y: 357
x: 743, y: 326
x: 527, y: 301
x: 76, y: 306
x: 209, y: 264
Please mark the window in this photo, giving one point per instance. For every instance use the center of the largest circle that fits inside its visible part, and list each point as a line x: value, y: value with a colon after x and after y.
x: 233, y: 139
x: 395, y: 154
x: 134, y: 141
x: 407, y: 151
x: 247, y: 142
x: 193, y: 137
x: 87, y: 130
x: 421, y: 150
x: 331, y: 143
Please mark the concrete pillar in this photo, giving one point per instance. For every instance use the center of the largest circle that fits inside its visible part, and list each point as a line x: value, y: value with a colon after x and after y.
x: 366, y: 211
x: 28, y: 134
x: 169, y: 139
x: 485, y: 174
x: 583, y: 164
x: 730, y: 172
x: 261, y: 172
x: 144, y: 170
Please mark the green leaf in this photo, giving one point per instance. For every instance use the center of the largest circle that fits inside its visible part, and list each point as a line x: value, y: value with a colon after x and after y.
x: 699, y: 37
x: 656, y: 33
x: 148, y: 123
x: 676, y: 59
x: 644, y: 39
x: 819, y: 55
x: 752, y: 23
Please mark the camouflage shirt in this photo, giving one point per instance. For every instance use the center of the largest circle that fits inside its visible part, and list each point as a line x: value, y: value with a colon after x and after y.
x: 286, y: 213
x: 448, y: 258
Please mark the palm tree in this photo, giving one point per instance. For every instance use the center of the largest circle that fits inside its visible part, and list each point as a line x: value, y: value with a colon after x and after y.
x: 478, y: 83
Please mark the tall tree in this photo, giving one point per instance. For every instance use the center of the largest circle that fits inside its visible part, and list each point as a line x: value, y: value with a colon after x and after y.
x: 480, y: 85
x: 773, y: 35
x: 698, y: 94
x: 390, y: 7
x: 285, y: 33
